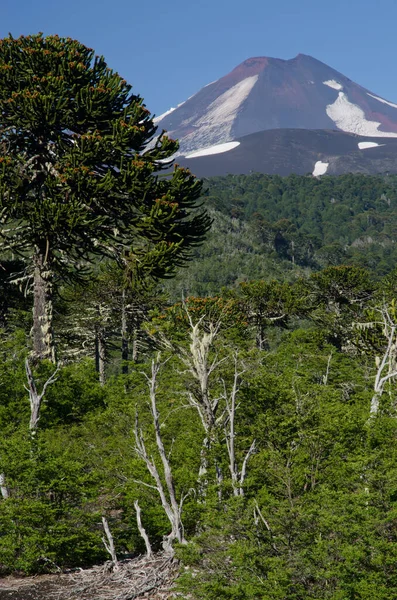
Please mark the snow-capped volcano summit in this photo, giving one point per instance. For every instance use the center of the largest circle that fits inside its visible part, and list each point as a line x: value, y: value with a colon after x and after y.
x: 269, y: 93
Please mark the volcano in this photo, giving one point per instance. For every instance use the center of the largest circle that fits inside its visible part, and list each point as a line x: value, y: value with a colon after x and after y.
x: 263, y: 94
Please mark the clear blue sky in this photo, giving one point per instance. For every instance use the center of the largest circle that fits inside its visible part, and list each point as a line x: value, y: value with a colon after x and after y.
x: 169, y: 49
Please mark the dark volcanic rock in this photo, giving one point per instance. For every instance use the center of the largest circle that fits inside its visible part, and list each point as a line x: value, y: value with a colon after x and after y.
x: 286, y: 151
x: 269, y: 93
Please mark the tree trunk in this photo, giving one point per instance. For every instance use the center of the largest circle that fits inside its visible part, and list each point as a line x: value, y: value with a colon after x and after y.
x: 96, y: 351
x: 135, y: 345
x: 36, y: 399
x: 101, y: 357
x: 142, y: 530
x: 109, y: 544
x: 4, y: 491
x: 42, y: 331
x: 167, y: 493
x: 124, y: 337
x: 176, y: 522
x: 100, y: 347
x: 261, y: 338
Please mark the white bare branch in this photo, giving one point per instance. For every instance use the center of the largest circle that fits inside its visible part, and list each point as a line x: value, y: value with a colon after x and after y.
x: 140, y: 482
x: 4, y: 491
x: 167, y: 493
x: 258, y: 515
x: 142, y: 530
x: 238, y: 476
x: 198, y: 364
x: 325, y: 377
x: 386, y: 366
x: 243, y: 473
x: 35, y: 398
x: 109, y: 544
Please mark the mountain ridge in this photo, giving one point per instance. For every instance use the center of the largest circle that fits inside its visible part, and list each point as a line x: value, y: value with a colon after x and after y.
x: 264, y: 93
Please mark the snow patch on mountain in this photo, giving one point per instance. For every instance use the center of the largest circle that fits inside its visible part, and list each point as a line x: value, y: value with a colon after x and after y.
x: 166, y: 113
x: 333, y: 84
x: 351, y: 118
x: 214, y: 127
x: 365, y: 145
x: 320, y: 168
x: 381, y: 100
x: 218, y: 149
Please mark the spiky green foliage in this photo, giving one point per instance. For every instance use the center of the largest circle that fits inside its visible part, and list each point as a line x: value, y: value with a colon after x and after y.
x: 77, y: 177
x: 74, y: 177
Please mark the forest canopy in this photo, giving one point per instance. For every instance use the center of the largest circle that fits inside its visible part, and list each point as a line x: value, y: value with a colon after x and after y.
x: 267, y: 226
x: 78, y: 178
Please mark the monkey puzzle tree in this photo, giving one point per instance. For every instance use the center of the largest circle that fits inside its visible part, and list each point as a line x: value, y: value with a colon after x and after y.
x: 77, y: 175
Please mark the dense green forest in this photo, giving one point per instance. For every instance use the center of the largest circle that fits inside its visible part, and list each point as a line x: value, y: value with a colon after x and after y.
x: 279, y: 442
x: 225, y: 396
x: 270, y: 226
x: 275, y: 405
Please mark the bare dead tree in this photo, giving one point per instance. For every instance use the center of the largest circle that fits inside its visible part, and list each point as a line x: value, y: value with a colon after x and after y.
x: 167, y: 494
x: 325, y: 377
x: 215, y: 412
x: 201, y: 367
x: 199, y: 364
x: 124, y: 335
x: 258, y: 516
x: 387, y: 366
x: 101, y: 355
x: 109, y: 544
x: 35, y: 398
x: 4, y: 491
x: 142, y: 530
x: 237, y: 475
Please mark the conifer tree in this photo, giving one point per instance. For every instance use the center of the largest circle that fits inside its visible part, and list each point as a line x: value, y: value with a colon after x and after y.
x: 78, y: 177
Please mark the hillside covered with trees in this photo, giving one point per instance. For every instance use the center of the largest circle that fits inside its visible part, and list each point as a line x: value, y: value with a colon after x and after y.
x: 255, y: 430
x: 270, y: 226
x: 237, y: 415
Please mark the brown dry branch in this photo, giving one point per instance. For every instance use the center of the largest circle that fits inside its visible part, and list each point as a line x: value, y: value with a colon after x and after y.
x: 137, y: 579
x: 134, y: 580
